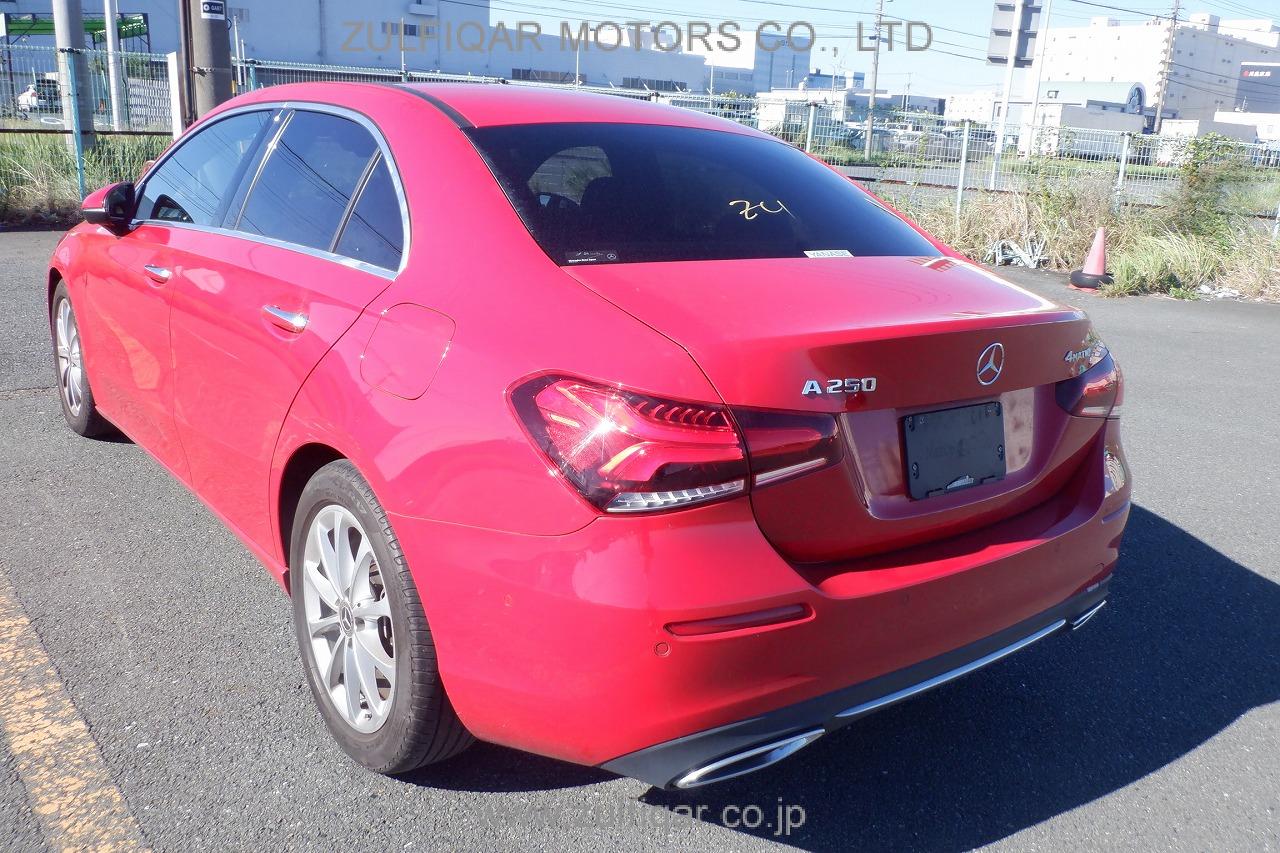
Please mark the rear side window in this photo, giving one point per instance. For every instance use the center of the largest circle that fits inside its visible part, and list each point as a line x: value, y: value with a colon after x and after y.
x: 618, y: 193
x: 375, y: 232
x: 305, y: 186
x: 192, y: 184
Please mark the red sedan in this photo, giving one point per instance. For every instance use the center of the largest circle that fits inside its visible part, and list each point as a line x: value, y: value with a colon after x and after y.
x: 600, y: 429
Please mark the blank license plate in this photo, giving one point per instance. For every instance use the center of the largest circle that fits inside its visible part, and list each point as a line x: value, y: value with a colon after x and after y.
x: 954, y: 449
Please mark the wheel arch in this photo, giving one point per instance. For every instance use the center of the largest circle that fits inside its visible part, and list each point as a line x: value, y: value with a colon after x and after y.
x: 302, y: 465
x: 54, y: 278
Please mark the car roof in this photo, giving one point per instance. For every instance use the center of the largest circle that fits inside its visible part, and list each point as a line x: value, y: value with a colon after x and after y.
x: 492, y: 104
x: 486, y: 105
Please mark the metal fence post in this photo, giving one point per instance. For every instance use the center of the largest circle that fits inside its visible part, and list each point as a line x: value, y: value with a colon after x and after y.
x: 252, y: 85
x: 73, y: 87
x: 1124, y: 165
x: 1275, y: 229
x: 964, y: 161
x: 175, y: 94
x: 995, y: 160
x: 808, y: 133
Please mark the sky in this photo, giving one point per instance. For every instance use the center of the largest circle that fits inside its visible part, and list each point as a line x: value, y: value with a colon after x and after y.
x: 955, y: 63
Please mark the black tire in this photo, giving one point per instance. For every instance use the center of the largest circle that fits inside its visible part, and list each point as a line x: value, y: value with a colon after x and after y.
x: 84, y: 419
x: 421, y: 726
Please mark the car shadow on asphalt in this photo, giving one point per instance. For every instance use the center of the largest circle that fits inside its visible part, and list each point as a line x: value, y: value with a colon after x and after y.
x: 487, y: 768
x: 1187, y: 645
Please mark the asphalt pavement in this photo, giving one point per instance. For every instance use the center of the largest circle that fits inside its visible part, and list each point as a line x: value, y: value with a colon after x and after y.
x: 1156, y: 727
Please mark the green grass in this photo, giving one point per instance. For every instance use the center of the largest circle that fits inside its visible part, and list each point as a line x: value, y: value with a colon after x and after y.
x: 38, y: 175
x: 1243, y: 258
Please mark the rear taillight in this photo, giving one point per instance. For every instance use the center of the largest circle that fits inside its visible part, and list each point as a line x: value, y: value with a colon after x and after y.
x: 1095, y: 393
x: 785, y: 444
x: 630, y: 452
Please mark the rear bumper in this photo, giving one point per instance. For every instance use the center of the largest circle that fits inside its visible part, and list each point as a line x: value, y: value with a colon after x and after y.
x: 564, y: 645
x: 748, y: 745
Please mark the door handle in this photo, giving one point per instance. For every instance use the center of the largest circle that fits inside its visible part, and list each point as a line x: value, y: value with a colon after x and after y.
x: 158, y: 274
x: 290, y: 321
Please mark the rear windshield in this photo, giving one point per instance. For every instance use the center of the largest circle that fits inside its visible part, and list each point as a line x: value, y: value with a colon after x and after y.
x: 626, y: 193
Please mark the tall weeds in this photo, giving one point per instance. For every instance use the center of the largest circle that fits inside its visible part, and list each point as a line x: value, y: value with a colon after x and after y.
x: 38, y: 175
x: 1200, y: 237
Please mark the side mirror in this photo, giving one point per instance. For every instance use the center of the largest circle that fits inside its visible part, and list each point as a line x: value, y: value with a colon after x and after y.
x: 112, y: 206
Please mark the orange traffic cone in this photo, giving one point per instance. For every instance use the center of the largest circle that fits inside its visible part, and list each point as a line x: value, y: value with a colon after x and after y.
x: 1095, y: 272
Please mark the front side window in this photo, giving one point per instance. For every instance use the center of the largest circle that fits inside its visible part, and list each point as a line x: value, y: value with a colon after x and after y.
x: 192, y: 184
x: 305, y: 186
x: 620, y: 193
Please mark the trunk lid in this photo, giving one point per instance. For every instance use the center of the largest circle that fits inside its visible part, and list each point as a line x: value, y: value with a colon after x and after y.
x: 765, y: 331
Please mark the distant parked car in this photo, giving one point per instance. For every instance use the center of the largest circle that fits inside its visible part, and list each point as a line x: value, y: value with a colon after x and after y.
x: 881, y: 139
x: 42, y: 96
x: 943, y: 144
x: 1267, y: 154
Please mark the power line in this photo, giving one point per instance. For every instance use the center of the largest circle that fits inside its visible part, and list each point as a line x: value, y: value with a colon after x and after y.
x: 1141, y: 12
x: 1242, y: 9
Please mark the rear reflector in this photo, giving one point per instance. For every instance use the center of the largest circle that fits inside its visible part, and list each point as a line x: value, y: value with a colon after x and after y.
x: 738, y: 621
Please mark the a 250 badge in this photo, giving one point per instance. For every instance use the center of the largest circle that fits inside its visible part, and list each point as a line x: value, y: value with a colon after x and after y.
x: 839, y: 386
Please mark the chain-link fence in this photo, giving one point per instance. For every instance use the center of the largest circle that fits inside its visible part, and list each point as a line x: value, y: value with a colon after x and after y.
x: 912, y: 154
x: 127, y: 91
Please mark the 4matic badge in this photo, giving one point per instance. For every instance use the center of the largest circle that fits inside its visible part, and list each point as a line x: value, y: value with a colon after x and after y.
x: 839, y: 386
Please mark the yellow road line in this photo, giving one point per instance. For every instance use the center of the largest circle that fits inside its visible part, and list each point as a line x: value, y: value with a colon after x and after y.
x: 69, y: 789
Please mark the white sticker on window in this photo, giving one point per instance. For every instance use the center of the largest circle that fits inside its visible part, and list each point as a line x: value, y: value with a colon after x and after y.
x: 829, y: 253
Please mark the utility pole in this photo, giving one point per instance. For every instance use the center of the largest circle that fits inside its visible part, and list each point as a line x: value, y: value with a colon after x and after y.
x: 906, y: 96
x: 73, y: 71
x: 210, y: 54
x: 183, y: 82
x: 1164, y: 65
x: 875, y: 78
x: 237, y: 50
x: 1015, y: 41
x: 115, y: 76
x: 1042, y: 44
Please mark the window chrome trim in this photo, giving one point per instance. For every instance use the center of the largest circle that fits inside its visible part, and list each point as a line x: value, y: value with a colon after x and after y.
x: 351, y: 263
x: 293, y: 107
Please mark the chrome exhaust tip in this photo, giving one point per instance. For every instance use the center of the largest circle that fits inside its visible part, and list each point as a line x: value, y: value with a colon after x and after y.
x: 1079, y: 621
x: 748, y: 761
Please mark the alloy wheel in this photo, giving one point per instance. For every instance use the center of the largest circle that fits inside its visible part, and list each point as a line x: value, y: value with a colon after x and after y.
x: 70, y: 367
x: 348, y: 619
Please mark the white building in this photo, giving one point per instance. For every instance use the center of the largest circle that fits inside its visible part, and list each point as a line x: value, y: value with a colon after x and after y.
x: 979, y: 107
x: 1266, y: 126
x: 1204, y: 60
x: 758, y: 65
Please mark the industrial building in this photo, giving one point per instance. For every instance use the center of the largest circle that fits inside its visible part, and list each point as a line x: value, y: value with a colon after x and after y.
x: 453, y: 37
x: 1204, y: 60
